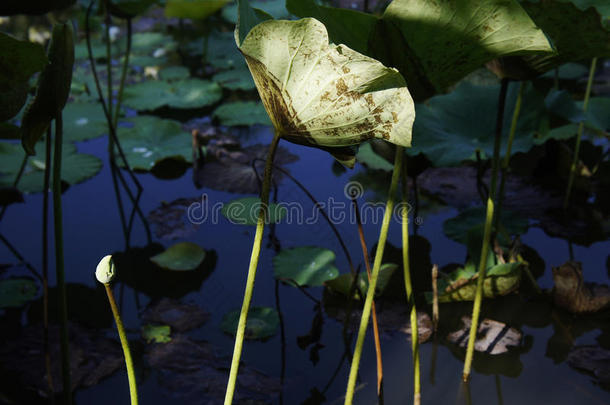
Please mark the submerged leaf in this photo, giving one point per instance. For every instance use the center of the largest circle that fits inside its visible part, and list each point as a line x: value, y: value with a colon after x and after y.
x: 262, y: 323
x: 183, y: 256
x: 324, y: 95
x: 180, y: 317
x: 305, y: 266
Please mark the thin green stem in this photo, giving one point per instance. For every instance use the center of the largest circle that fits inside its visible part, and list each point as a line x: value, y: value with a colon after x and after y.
x: 366, y: 312
x: 131, y: 375
x: 123, y: 75
x: 476, y: 308
x: 581, y: 127
x: 108, y: 21
x: 408, y: 286
x: 509, y: 145
x: 45, y: 262
x: 59, y: 260
x: 256, y: 250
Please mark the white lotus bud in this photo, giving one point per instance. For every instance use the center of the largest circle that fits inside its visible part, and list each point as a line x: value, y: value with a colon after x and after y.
x: 105, y: 270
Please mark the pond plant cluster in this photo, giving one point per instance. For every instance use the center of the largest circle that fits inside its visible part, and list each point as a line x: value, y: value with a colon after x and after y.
x: 478, y: 127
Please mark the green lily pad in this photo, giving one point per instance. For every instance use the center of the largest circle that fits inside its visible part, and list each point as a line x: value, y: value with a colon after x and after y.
x: 457, y: 228
x: 156, y: 333
x: 188, y: 93
x: 148, y: 42
x: 338, y: 100
x: 561, y: 103
x: 151, y: 140
x: 598, y: 113
x: 342, y: 284
x: 221, y: 51
x: 235, y: 79
x: 16, y: 292
x: 75, y: 167
x: 276, y: 8
x: 172, y: 73
x: 306, y: 266
x: 182, y: 256
x: 194, y: 9
x: 84, y: 121
x: 244, y: 113
x: 262, y: 323
x: 244, y: 211
x: 367, y: 156
x: 460, y: 285
x: 450, y: 128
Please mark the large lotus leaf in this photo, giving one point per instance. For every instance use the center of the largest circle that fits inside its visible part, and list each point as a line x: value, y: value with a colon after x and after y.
x: 597, y: 116
x: 598, y: 113
x: 195, y: 9
x: 457, y: 228
x: 221, y: 51
x: 172, y: 73
x: 561, y: 103
x: 261, y: 324
x: 182, y: 256
x: 244, y: 211
x: 321, y: 95
x: 15, y: 292
x: 84, y: 121
x: 235, y: 79
x: 343, y: 283
x: 189, y: 93
x: 451, y: 128
x: 460, y: 285
x: 275, y: 8
x: 18, y: 61
x: 151, y: 140
x: 242, y: 113
x: 367, y: 156
x: 576, y: 34
x: 306, y: 266
x: 53, y: 87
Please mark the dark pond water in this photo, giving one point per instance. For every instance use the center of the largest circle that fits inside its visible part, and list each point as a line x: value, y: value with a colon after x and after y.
x: 533, y: 374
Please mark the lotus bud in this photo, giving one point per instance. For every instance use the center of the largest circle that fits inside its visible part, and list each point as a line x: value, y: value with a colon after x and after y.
x: 105, y: 270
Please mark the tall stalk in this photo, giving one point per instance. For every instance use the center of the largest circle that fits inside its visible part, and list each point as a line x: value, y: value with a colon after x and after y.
x: 366, y: 312
x: 581, y: 127
x: 59, y: 260
x: 408, y: 285
x: 476, y: 308
x: 45, y: 261
x: 256, y: 250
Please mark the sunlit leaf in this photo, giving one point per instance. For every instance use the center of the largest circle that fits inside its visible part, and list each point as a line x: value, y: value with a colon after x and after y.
x: 306, y: 266
x: 182, y: 256
x: 262, y: 323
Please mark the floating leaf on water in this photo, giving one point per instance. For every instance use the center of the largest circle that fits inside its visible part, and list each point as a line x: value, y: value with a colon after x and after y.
x: 262, y: 322
x: 221, y: 51
x: 244, y: 211
x: 180, y: 317
x: 194, y: 9
x: 187, y: 93
x: 342, y: 284
x: 573, y: 294
x: 156, y: 333
x: 84, y: 121
x: 493, y: 337
x: 151, y: 140
x: 16, y: 292
x: 338, y: 100
x: 306, y: 266
x: 244, y: 113
x: 235, y: 79
x: 367, y: 156
x: 171, y: 219
x: 183, y: 256
x: 172, y: 73
x: 457, y: 228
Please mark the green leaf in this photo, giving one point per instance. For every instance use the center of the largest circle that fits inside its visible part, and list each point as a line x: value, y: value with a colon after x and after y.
x: 457, y: 228
x: 342, y: 284
x: 561, y: 103
x: 274, y: 8
x: 247, y: 18
x: 235, y: 79
x: 182, y: 256
x: 129, y: 8
x: 156, y: 333
x: 244, y: 211
x: 84, y: 121
x: 151, y: 140
x: 194, y: 9
x: 324, y: 95
x: 244, y: 113
x: 19, y: 60
x: 451, y: 128
x: 53, y: 87
x: 188, y: 93
x: 262, y: 323
x: 221, y: 51
x: 305, y: 266
x: 16, y: 292
x: 598, y: 113
x: 367, y: 156
x: 172, y: 73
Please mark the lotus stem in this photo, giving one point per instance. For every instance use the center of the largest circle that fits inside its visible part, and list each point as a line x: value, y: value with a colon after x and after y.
x: 435, y: 315
x: 581, y: 127
x: 366, y: 312
x: 408, y: 285
x: 476, y: 308
x: 59, y: 260
x: 45, y: 261
x: 104, y: 273
x: 367, y: 263
x: 256, y: 250
x: 509, y: 145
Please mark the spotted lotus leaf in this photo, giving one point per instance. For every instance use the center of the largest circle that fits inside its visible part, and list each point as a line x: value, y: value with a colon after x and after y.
x: 322, y: 95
